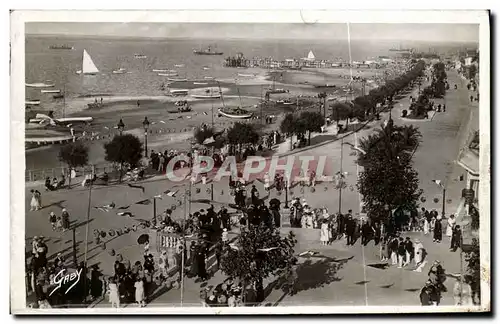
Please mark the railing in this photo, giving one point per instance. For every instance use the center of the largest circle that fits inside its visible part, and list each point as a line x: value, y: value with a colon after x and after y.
x: 41, y: 174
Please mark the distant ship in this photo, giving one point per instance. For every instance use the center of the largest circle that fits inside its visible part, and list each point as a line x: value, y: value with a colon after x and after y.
x: 64, y: 47
x: 207, y: 51
x: 400, y: 49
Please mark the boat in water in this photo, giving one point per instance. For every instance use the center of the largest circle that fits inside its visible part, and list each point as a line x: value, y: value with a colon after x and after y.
x: 119, y: 71
x: 61, y: 47
x: 168, y: 74
x: 206, y: 68
x: 208, y: 78
x: 179, y: 65
x: 178, y: 92
x: 58, y: 96
x: 33, y: 102
x: 40, y: 85
x: 207, y: 51
x: 246, y: 75
x: 140, y: 56
x: 325, y: 86
x: 277, y: 90
x: 200, y: 83
x: 176, y: 80
x: 208, y: 95
x: 160, y: 70
x: 51, y: 91
x: 88, y: 66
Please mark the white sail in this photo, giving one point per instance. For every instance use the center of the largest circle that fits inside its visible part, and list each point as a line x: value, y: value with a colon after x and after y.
x: 311, y: 56
x: 88, y: 66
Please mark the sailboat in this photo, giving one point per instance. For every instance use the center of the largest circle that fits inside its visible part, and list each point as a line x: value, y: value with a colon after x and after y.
x: 235, y: 113
x: 88, y: 66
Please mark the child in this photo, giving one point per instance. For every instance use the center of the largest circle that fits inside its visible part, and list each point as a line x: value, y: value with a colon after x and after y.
x: 59, y: 223
x: 324, y: 233
x: 114, y: 297
x: 53, y: 220
x: 139, y: 292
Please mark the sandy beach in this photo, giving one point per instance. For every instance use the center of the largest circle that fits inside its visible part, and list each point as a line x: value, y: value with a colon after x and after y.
x: 170, y: 130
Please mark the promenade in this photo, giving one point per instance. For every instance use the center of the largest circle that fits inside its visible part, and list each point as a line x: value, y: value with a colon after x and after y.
x: 343, y: 276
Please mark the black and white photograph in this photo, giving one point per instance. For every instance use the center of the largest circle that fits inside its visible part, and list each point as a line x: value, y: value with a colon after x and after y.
x: 330, y: 159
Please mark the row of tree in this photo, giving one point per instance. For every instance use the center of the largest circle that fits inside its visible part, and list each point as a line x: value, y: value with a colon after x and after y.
x: 300, y: 124
x: 436, y: 89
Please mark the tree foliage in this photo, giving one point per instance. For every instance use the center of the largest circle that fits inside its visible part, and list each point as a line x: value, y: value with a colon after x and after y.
x: 74, y: 154
x: 312, y: 122
x: 247, y: 262
x: 242, y: 133
x: 125, y: 148
x: 388, y: 177
x: 202, y: 133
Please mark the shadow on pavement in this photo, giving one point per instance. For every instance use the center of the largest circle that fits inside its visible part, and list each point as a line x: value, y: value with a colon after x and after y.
x: 57, y: 203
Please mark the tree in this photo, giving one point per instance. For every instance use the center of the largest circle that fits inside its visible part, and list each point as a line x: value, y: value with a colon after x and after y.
x: 122, y: 149
x: 74, y: 154
x: 312, y: 122
x: 241, y: 134
x: 247, y: 261
x: 388, y: 179
x: 472, y: 72
x: 341, y: 111
x: 202, y: 133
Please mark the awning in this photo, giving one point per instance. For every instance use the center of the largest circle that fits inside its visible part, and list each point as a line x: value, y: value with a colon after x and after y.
x: 469, y: 161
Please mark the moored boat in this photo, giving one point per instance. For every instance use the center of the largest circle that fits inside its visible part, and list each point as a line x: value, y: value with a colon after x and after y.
x: 64, y: 47
x: 33, y: 102
x: 168, y: 74
x: 139, y: 56
x: 176, y: 80
x: 200, y: 83
x: 210, y: 96
x: 40, y: 85
x: 236, y: 113
x: 50, y: 91
x: 119, y: 71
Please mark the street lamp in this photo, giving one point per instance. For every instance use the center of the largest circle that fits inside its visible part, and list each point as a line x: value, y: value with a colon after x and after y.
x: 121, y: 126
x: 440, y: 184
x: 145, y: 124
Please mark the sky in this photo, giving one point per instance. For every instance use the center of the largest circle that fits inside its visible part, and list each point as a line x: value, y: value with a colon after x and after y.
x: 410, y: 32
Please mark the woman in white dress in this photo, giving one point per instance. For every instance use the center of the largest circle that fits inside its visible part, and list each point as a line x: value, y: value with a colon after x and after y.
x: 267, y: 181
x: 324, y: 233
x: 139, y: 292
x: 451, y: 224
x: 34, y: 201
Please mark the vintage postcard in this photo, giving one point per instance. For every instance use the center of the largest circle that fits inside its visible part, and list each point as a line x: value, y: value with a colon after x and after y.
x: 239, y: 162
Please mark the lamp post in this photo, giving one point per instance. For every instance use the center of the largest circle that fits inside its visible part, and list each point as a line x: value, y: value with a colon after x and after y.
x: 145, y: 124
x: 120, y: 126
x: 440, y: 184
x: 286, y: 193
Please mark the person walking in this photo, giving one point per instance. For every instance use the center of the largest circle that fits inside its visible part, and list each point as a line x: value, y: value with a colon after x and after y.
x: 456, y: 239
x: 451, y: 224
x: 418, y: 252
x: 350, y: 228
x: 393, y: 249
x: 401, y: 252
x: 325, y: 233
x: 139, y: 292
x: 409, y: 251
x: 438, y: 230
x: 53, y: 220
x: 34, y: 201
x: 65, y: 219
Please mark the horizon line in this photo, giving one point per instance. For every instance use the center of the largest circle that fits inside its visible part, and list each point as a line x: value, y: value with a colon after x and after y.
x: 243, y: 38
